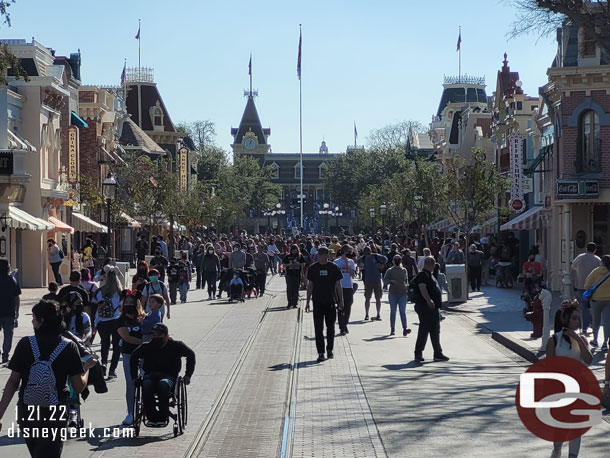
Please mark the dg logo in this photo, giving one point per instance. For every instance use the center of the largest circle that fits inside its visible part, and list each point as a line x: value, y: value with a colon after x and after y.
x: 559, y: 399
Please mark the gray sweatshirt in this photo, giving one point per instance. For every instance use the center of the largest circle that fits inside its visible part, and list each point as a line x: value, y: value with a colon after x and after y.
x: 396, y: 277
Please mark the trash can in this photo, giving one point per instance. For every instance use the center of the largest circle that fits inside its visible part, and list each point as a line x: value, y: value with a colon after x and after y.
x: 457, y: 282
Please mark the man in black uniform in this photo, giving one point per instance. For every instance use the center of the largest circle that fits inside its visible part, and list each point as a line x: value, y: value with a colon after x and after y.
x: 428, y: 300
x: 324, y: 286
x: 162, y: 358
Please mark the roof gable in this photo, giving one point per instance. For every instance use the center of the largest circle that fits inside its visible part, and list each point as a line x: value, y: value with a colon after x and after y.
x: 150, y: 97
x: 250, y: 121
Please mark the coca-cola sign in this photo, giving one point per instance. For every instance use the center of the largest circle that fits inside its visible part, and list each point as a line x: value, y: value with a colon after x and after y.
x: 577, y: 189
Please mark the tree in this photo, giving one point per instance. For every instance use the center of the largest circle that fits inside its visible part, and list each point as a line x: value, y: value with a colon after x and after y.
x: 394, y: 135
x: 472, y: 191
x: 542, y: 17
x: 7, y: 58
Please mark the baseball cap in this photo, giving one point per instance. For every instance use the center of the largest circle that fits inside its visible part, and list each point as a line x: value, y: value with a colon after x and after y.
x: 160, y: 327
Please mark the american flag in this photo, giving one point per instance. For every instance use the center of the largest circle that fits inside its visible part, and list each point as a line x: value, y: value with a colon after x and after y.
x: 123, y: 74
x: 299, y: 58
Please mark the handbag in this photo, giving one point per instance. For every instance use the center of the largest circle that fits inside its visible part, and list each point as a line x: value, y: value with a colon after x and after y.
x: 588, y: 294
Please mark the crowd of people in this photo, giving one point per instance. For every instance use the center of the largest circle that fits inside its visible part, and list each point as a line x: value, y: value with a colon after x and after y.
x: 128, y: 314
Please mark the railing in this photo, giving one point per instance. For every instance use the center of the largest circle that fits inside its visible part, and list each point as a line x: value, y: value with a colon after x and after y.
x: 140, y: 75
x: 465, y: 79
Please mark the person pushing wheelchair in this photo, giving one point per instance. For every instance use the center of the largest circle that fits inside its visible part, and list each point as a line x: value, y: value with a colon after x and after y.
x: 162, y: 362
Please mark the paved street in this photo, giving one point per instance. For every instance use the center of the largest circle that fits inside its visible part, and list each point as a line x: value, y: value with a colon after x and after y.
x: 253, y: 395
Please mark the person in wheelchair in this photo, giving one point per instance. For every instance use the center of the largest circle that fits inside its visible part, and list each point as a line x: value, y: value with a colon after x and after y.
x: 236, y: 287
x: 162, y: 362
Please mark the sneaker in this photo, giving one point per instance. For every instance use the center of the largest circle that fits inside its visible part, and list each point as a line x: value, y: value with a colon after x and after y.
x: 604, y: 347
x: 104, y: 370
x: 321, y: 357
x: 330, y: 355
x: 594, y: 343
x: 128, y: 420
x: 392, y: 332
x: 342, y: 333
x: 346, y: 330
x: 112, y: 375
x: 419, y: 359
x: 377, y: 318
x: 405, y: 332
x: 366, y: 318
x: 441, y: 357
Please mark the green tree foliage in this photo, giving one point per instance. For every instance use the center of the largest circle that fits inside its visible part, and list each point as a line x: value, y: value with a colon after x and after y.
x: 472, y: 191
x: 7, y: 58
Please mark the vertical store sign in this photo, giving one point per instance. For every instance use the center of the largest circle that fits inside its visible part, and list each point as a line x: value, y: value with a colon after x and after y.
x: 73, y: 155
x: 183, y: 168
x: 515, y: 148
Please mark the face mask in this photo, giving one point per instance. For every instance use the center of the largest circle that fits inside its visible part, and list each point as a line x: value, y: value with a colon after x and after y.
x: 154, y: 278
x: 236, y: 249
x: 210, y: 251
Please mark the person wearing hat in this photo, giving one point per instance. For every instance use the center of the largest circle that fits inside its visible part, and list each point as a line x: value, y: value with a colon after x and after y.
x: 161, y: 364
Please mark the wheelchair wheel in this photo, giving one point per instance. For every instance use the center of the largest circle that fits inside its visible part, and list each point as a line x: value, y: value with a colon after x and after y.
x: 185, y: 409
x: 180, y: 407
x: 138, y: 411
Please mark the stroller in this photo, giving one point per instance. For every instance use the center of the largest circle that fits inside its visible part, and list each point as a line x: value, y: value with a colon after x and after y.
x: 236, y: 290
x: 248, y: 276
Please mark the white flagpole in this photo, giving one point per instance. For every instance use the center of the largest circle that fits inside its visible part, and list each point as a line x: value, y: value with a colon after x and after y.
x: 301, y: 129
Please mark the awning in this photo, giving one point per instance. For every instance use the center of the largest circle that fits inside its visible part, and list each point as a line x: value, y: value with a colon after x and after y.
x: 60, y: 226
x: 130, y: 221
x: 541, y: 155
x: 78, y: 121
x: 84, y: 224
x: 177, y: 227
x: 531, y: 219
x: 15, y: 141
x: 490, y: 225
x: 20, y: 219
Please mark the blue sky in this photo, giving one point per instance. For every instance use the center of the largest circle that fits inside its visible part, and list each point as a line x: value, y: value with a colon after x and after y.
x: 374, y: 63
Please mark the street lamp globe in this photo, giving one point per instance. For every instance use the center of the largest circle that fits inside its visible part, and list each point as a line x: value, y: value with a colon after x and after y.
x: 326, y: 206
x: 278, y: 205
x: 219, y: 212
x: 372, y: 212
x: 109, y: 186
x: 383, y: 209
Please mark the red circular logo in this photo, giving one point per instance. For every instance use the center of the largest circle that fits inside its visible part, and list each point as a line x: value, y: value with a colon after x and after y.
x: 517, y: 204
x: 558, y: 399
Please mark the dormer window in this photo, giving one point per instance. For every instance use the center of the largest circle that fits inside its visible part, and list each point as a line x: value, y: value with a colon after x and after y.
x: 275, y: 171
x: 156, y: 116
x: 588, y: 44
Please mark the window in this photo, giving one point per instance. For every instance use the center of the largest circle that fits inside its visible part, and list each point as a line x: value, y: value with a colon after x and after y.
x: 320, y: 195
x: 588, y: 44
x: 588, y: 158
x: 156, y: 116
x: 519, y: 105
x: 275, y: 171
x: 322, y: 170
x: 297, y: 171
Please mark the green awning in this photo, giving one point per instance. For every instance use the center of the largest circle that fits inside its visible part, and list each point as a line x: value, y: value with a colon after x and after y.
x: 541, y: 155
x: 78, y: 121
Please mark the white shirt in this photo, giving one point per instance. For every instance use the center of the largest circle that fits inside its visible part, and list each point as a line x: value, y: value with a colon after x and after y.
x: 346, y: 281
x: 86, y: 325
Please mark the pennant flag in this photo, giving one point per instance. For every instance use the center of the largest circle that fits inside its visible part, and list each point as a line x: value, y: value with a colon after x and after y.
x: 138, y: 35
x: 299, y: 59
x: 355, y: 130
x: 123, y: 74
x: 459, y: 42
x: 250, y: 66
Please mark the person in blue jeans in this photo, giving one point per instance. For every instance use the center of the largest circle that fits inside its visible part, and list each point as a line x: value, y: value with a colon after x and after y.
x: 397, y: 279
x: 162, y: 362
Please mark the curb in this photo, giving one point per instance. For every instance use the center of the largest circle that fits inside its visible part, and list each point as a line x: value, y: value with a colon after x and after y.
x: 514, y: 345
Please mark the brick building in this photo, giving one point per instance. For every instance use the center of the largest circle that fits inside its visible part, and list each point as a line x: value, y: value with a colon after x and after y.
x: 578, y: 102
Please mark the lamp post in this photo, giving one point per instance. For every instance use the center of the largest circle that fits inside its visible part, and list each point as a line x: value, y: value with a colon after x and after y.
x: 383, y: 210
x: 109, y: 191
x: 337, y: 214
x: 326, y: 213
x: 218, y: 215
x: 279, y: 212
x: 372, y: 215
x: 267, y: 213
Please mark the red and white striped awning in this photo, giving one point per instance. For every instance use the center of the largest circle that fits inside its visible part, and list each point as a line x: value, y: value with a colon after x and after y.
x: 531, y: 219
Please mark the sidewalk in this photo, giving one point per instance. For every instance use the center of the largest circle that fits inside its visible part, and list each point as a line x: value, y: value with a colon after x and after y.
x: 500, y: 311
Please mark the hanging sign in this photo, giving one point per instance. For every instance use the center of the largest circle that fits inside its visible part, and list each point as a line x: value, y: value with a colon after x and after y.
x: 73, y: 155
x: 183, y: 168
x: 515, y: 149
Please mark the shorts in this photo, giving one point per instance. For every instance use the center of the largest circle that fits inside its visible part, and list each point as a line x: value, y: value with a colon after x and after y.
x: 369, y: 288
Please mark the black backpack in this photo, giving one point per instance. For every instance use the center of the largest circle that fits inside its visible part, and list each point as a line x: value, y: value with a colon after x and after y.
x: 105, y: 308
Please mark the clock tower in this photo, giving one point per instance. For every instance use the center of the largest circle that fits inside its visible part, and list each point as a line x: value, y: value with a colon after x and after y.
x: 250, y: 138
